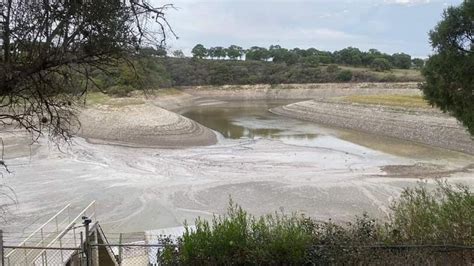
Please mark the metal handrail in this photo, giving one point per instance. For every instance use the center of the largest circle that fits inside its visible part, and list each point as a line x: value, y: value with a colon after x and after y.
x: 68, y: 227
x: 39, y: 229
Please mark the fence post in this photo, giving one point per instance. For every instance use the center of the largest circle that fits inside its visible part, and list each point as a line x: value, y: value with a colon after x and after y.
x: 120, y: 249
x: 87, y: 248
x: 2, y: 253
x: 83, y: 252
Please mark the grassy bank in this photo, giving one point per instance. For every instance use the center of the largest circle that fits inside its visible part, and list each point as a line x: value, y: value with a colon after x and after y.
x: 99, y: 98
x: 425, y: 227
x: 407, y: 101
x: 403, y: 74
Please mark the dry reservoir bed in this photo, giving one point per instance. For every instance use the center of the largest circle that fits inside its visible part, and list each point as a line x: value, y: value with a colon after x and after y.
x: 265, y: 162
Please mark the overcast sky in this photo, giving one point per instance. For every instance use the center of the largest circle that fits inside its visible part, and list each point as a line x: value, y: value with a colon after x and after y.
x: 387, y: 25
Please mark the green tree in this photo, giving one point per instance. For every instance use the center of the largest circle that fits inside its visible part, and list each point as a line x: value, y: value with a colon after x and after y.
x: 277, y: 53
x: 349, y: 56
x: 199, y: 51
x: 290, y: 58
x: 152, y: 51
x: 220, y: 52
x: 300, y: 52
x: 312, y: 51
x: 374, y: 52
x: 257, y: 53
x: 325, y: 57
x: 50, y: 48
x: 418, y: 63
x: 234, y: 52
x: 211, y: 52
x: 312, y: 60
x: 380, y: 64
x: 401, y: 60
x: 178, y: 54
x: 449, y: 72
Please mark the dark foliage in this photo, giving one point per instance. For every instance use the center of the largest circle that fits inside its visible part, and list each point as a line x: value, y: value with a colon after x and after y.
x: 50, y: 48
x: 348, y: 56
x: 380, y: 64
x: 450, y: 72
x: 159, y: 72
x: 426, y: 227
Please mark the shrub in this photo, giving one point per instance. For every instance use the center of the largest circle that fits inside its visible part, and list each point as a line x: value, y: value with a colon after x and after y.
x: 151, y: 73
x: 120, y: 90
x: 380, y: 65
x: 311, y: 61
x: 344, y: 75
x: 443, y: 216
x: 332, y: 68
x: 239, y: 238
x: 389, y: 78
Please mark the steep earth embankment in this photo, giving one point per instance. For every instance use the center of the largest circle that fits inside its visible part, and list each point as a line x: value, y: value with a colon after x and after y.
x: 427, y: 126
x: 300, y: 91
x: 143, y: 125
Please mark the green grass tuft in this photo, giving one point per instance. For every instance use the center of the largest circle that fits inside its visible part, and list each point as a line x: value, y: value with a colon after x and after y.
x: 413, y: 101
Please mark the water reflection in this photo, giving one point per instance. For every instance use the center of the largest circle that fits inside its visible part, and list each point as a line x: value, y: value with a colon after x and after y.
x: 251, y: 119
x: 236, y: 120
x: 219, y: 120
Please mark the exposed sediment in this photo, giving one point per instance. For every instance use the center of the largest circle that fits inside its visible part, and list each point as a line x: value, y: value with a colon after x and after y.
x: 152, y: 125
x: 428, y: 126
x: 143, y: 125
x: 300, y: 91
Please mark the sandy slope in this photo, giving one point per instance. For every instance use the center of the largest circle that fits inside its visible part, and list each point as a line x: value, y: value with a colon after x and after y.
x: 143, y: 125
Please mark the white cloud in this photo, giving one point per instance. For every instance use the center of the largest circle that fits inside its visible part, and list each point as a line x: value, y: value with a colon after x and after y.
x: 323, y: 24
x: 407, y: 2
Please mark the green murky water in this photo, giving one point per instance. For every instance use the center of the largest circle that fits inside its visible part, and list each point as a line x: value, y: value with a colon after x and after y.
x: 251, y: 119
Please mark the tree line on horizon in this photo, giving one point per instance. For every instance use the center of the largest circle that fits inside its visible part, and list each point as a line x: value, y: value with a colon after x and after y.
x: 350, y: 56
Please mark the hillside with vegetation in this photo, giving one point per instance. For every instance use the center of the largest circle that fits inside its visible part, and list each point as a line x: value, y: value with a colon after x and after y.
x: 153, y: 68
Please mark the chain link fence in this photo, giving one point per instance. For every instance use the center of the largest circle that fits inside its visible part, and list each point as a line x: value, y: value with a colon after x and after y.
x: 147, y: 249
x: 392, y: 255
x: 41, y: 255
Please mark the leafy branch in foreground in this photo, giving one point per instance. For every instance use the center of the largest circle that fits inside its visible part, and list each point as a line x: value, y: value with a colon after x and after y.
x: 49, y: 49
x: 449, y: 72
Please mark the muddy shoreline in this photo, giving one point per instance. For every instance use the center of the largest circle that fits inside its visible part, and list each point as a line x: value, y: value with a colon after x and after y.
x: 156, y: 123
x: 428, y: 127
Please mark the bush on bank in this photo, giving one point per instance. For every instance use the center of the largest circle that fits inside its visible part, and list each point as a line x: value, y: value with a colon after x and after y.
x: 151, y: 73
x: 420, y: 220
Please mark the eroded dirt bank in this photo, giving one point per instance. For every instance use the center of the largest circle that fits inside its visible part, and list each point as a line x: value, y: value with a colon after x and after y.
x: 142, y: 125
x: 299, y: 91
x: 151, y: 124
x: 427, y: 126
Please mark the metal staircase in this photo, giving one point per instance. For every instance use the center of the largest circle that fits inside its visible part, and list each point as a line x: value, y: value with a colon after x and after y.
x: 55, y: 242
